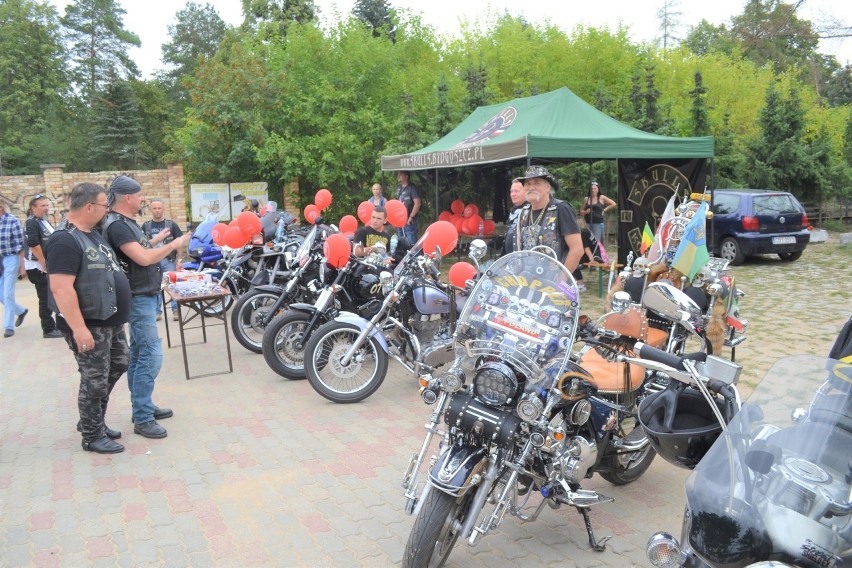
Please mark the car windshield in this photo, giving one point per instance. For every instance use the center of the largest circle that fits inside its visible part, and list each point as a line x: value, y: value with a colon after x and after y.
x: 771, y: 482
x: 523, y: 311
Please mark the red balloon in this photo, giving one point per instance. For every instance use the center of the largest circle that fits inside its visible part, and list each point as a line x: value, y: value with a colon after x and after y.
x: 457, y: 206
x: 440, y: 234
x: 218, y: 233
x: 364, y: 211
x: 322, y: 199
x: 471, y: 225
x: 337, y: 250
x: 470, y: 210
x: 445, y: 216
x: 233, y: 223
x: 458, y: 223
x: 489, y: 226
x: 235, y: 238
x: 460, y: 273
x: 249, y: 223
x: 348, y: 224
x: 312, y: 213
x: 397, y: 213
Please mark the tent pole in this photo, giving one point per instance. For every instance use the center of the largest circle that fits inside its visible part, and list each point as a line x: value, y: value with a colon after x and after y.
x: 436, y: 194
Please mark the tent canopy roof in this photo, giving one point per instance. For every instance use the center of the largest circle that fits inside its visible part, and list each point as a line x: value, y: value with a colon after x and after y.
x: 557, y: 125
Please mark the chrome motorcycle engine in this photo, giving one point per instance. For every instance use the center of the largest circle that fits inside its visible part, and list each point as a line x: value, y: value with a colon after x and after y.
x: 573, y: 460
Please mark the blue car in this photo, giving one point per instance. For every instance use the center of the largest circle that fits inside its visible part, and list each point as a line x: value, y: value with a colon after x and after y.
x: 757, y: 221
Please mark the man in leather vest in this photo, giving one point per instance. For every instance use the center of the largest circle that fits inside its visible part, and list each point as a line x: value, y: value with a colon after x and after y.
x: 91, y: 297
x: 38, y: 230
x: 548, y: 221
x: 141, y: 263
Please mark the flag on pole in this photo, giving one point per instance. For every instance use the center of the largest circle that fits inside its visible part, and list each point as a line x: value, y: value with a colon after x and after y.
x: 656, y: 248
x: 692, y: 252
x: 647, y: 238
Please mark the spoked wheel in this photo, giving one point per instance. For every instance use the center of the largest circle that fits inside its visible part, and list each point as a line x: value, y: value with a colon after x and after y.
x: 337, y: 382
x: 628, y: 466
x: 284, y: 344
x: 435, y: 530
x: 250, y: 318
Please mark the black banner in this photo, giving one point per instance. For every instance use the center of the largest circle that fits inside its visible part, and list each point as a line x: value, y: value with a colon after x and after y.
x: 644, y: 190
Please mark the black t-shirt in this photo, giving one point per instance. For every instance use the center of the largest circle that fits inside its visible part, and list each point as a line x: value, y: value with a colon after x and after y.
x: 144, y: 280
x: 368, y: 237
x: 152, y: 229
x: 64, y: 257
x: 407, y: 195
x: 36, y: 235
x: 548, y: 227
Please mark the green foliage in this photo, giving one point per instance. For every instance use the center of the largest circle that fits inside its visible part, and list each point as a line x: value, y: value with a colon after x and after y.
x: 377, y: 15
x: 116, y: 128
x: 270, y: 20
x: 99, y: 44
x: 32, y: 79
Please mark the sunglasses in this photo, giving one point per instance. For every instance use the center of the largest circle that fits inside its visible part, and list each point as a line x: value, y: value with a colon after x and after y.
x: 36, y: 197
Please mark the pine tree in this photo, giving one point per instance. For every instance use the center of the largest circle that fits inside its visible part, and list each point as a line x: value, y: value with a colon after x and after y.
x: 116, y: 128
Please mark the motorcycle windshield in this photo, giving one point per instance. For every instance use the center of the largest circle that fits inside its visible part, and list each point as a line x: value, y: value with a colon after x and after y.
x: 305, y: 247
x: 523, y: 311
x: 776, y: 486
x: 416, y: 249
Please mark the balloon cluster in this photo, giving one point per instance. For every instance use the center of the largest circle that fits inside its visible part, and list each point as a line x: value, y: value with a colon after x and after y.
x: 322, y: 201
x: 238, y: 232
x: 466, y: 218
x: 397, y: 213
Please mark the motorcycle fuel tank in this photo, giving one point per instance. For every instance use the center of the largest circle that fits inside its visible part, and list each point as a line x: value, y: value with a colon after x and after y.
x: 429, y: 300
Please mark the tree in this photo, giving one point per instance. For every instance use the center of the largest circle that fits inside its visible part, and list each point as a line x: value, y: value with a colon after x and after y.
x: 98, y: 44
x: 271, y: 18
x: 377, y: 15
x: 705, y: 38
x: 194, y: 37
x: 32, y: 79
x: 700, y: 121
x: 116, y: 142
x: 770, y: 32
x: 669, y: 18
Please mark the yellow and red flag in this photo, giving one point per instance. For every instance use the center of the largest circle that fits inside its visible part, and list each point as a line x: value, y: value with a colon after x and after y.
x: 647, y: 238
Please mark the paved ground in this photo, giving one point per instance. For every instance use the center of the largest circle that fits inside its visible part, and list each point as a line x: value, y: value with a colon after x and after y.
x: 261, y: 471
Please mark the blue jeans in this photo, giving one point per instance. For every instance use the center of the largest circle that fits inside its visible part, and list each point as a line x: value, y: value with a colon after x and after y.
x: 597, y: 230
x: 166, y: 266
x: 11, y: 309
x: 146, y: 356
x: 409, y: 231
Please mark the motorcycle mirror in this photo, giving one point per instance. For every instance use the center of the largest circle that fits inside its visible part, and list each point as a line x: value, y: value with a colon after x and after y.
x: 477, y: 249
x: 438, y: 255
x: 672, y: 304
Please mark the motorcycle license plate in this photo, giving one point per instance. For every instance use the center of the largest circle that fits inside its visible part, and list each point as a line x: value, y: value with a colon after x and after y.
x: 783, y: 240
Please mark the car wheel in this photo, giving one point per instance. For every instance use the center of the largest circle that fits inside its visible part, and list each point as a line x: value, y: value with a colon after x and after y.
x: 730, y: 250
x: 789, y: 256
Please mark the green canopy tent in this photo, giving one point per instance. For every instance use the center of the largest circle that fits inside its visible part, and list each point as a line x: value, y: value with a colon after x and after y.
x: 557, y: 126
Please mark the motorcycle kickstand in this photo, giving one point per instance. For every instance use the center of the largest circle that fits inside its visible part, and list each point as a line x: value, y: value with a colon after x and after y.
x: 598, y: 546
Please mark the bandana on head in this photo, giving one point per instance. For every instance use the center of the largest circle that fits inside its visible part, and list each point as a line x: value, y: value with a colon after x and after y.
x: 122, y: 185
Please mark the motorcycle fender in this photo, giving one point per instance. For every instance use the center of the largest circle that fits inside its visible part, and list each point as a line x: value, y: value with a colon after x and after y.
x: 271, y: 288
x: 307, y: 308
x: 455, y: 470
x: 361, y: 323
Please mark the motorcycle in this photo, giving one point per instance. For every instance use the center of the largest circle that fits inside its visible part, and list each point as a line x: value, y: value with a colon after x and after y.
x: 346, y: 360
x: 304, y: 274
x: 773, y: 488
x: 355, y: 287
x: 712, y: 288
x: 521, y: 415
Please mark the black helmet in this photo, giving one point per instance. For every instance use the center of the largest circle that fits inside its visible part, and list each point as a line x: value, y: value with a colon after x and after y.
x: 680, y: 424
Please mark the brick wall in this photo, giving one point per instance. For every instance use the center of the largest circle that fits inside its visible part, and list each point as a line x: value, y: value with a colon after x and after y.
x: 56, y: 183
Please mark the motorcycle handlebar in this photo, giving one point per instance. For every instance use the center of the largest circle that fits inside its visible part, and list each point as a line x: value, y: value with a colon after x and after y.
x: 645, y: 351
x: 433, y: 270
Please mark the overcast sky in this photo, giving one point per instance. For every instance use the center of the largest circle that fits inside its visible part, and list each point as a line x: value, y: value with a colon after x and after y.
x: 150, y: 19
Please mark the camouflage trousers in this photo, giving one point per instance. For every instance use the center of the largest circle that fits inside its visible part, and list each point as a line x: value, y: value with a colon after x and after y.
x: 99, y: 369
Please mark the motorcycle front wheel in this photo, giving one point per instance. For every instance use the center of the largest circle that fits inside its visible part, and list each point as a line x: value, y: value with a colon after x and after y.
x: 344, y: 383
x: 284, y: 344
x: 249, y: 310
x: 435, y: 530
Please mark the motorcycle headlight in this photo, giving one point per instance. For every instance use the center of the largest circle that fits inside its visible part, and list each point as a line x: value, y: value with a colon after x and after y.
x: 530, y: 408
x: 452, y: 380
x: 663, y: 550
x: 495, y: 384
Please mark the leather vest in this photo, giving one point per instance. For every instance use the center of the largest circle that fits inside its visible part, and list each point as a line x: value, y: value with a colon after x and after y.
x: 144, y: 280
x: 95, y: 282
